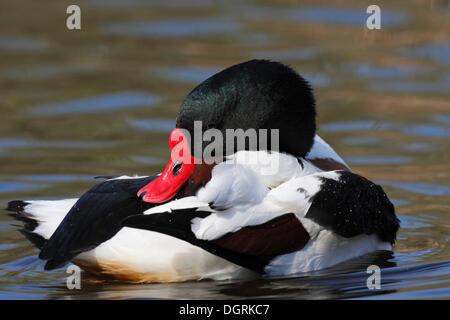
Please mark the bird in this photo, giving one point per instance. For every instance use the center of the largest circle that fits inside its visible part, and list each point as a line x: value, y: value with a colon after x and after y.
x: 278, y: 207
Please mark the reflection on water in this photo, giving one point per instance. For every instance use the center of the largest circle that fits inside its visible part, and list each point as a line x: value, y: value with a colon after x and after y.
x: 445, y: 118
x: 55, y: 177
x: 6, y: 187
x: 317, y: 79
x: 353, y: 126
x: 172, y: 28
x: 355, y: 141
x: 108, y: 102
x: 420, y: 187
x: 44, y: 71
x: 367, y: 70
x: 187, y: 74
x: 146, y: 160
x: 397, y: 202
x: 75, y: 105
x: 378, y: 160
x: 19, y: 44
x: 440, y: 52
x: 413, y: 222
x: 420, y: 146
x: 10, y: 143
x: 425, y: 130
x: 287, y: 54
x: 153, y: 125
x: 349, y: 280
x: 326, y: 15
x: 408, y: 86
x: 155, y: 3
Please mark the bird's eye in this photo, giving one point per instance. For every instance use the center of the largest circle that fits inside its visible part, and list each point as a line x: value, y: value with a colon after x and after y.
x: 177, y: 168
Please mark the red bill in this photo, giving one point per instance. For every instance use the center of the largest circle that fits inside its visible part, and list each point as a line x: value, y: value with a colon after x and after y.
x: 177, y: 172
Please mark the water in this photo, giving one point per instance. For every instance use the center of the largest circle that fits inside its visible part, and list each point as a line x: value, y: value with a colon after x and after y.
x: 344, y: 16
x: 101, y: 101
x: 172, y: 28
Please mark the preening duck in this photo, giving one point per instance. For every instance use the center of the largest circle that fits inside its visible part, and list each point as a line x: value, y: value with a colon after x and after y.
x: 254, y: 210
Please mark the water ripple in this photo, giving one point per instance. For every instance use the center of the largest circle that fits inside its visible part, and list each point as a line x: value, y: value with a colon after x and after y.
x: 410, y: 86
x: 425, y: 130
x: 399, y: 202
x: 103, y: 103
x: 55, y: 177
x: 20, y: 44
x: 146, y: 160
x: 349, y: 126
x: 153, y: 125
x: 439, y: 52
x: 377, y: 160
x: 187, y: 74
x: 371, y: 71
x: 13, y: 143
x: 443, y: 117
x: 172, y: 28
x: 419, y: 187
x: 7, y: 187
x: 410, y: 222
x: 327, y: 15
x: 291, y: 54
x: 126, y: 4
x: 43, y: 72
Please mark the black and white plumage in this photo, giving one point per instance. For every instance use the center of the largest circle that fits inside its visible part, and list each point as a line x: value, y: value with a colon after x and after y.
x: 89, y: 232
x: 93, y: 219
x: 117, y: 240
x: 307, y: 221
x: 277, y: 212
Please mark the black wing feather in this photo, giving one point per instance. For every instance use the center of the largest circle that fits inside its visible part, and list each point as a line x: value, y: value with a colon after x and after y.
x: 95, y: 218
x: 178, y: 225
x: 352, y: 206
x: 250, y: 247
x: 29, y: 224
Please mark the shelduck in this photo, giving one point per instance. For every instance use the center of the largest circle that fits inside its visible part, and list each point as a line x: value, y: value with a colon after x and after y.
x: 230, y: 218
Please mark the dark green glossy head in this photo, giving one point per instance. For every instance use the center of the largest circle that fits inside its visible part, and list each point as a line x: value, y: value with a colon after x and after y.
x: 256, y: 94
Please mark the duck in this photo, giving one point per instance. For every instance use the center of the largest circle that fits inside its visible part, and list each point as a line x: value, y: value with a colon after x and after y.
x: 279, y: 207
